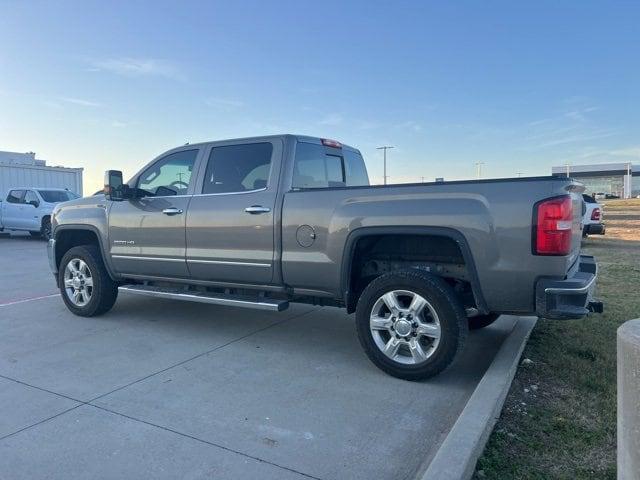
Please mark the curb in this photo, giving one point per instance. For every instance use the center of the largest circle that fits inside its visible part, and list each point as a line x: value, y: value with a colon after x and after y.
x: 457, y: 456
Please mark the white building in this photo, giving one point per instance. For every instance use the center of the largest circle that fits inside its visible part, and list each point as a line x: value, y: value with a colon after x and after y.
x: 621, y: 179
x: 24, y: 170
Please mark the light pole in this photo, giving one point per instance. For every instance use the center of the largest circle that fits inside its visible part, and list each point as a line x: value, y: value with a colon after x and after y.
x: 568, y: 169
x: 479, y: 169
x: 384, y: 149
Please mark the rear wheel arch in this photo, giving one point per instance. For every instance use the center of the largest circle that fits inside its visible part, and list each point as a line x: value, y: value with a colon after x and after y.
x: 349, y: 289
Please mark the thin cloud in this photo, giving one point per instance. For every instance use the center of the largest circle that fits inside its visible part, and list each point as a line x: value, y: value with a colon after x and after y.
x: 627, y: 152
x: 80, y: 101
x: 225, y: 103
x: 579, y: 138
x: 138, y: 67
x: 331, y: 120
x: 410, y: 125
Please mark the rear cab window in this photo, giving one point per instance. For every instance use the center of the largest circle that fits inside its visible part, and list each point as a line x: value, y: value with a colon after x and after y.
x: 318, y: 166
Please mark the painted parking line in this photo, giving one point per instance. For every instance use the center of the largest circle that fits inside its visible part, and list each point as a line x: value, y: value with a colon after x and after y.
x: 25, y: 300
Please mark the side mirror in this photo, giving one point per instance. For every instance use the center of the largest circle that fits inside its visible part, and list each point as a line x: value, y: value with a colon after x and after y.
x: 113, y: 186
x: 35, y: 203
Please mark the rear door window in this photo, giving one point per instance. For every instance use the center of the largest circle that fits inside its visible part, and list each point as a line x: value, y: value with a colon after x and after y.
x: 238, y: 168
x: 15, y: 196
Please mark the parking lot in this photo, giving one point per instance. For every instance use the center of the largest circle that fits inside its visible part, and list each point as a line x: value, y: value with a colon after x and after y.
x: 162, y: 389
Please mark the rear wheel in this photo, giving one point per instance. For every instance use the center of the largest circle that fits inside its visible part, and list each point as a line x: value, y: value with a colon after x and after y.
x: 410, y: 324
x: 84, y: 283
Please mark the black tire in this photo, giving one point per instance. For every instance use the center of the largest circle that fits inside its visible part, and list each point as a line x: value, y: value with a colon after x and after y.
x: 45, y: 231
x: 450, y: 312
x: 481, y: 321
x: 104, y: 291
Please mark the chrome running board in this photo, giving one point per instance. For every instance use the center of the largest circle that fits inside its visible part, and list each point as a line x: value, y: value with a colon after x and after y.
x: 201, y: 297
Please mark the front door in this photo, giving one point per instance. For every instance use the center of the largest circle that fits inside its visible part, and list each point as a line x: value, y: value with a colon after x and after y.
x: 147, y: 233
x: 230, y: 223
x: 31, y: 217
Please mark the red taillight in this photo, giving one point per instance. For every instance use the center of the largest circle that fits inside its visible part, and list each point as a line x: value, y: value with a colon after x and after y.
x: 595, y: 215
x: 554, y: 218
x: 331, y: 143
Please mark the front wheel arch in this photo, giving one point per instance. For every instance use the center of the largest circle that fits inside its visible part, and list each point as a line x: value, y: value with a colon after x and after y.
x: 69, y: 236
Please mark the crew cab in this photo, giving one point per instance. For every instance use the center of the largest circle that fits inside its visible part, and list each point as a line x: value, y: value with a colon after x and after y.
x: 261, y: 222
x: 29, y: 209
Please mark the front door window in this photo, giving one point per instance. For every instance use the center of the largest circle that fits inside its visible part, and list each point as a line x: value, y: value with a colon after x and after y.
x: 168, y: 176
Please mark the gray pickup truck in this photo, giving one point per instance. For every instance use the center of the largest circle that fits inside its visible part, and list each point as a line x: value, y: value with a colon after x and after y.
x: 261, y: 222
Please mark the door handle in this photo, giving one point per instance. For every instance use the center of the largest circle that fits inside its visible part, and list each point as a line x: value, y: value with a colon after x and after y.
x: 172, y: 211
x: 257, y: 209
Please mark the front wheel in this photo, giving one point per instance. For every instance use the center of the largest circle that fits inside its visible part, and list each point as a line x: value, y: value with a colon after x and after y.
x: 410, y: 324
x: 84, y: 283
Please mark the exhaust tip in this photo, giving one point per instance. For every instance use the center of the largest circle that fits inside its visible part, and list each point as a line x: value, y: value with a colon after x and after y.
x: 596, y: 307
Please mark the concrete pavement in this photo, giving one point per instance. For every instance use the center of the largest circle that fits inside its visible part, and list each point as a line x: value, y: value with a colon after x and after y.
x: 162, y: 389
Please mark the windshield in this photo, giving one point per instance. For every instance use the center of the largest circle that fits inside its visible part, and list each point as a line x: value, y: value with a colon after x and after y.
x: 56, y: 196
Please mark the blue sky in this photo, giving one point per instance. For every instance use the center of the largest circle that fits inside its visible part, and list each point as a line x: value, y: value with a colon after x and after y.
x: 519, y: 86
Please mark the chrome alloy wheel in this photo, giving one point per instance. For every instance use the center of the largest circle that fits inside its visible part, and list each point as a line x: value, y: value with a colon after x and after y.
x: 405, y: 327
x: 78, y: 282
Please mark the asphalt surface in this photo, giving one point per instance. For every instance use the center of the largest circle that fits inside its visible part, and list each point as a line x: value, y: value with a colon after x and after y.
x: 166, y: 389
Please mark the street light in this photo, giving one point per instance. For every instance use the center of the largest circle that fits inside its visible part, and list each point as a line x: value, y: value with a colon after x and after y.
x: 384, y: 149
x: 479, y: 169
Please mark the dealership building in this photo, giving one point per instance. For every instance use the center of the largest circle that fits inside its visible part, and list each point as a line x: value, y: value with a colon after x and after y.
x: 621, y: 179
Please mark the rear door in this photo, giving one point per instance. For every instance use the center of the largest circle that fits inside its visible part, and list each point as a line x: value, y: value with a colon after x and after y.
x: 230, y: 223
x: 13, y: 209
x: 147, y: 233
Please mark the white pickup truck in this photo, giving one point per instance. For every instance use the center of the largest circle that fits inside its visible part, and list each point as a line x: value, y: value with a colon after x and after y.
x: 592, y: 223
x: 29, y: 209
